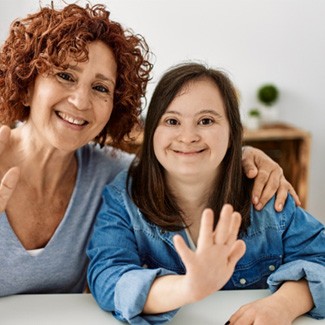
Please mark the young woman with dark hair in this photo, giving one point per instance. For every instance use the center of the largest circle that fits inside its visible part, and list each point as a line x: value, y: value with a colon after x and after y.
x: 167, y: 232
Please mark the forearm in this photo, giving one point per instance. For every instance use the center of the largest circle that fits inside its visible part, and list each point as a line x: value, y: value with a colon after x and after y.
x: 296, y: 296
x: 166, y: 294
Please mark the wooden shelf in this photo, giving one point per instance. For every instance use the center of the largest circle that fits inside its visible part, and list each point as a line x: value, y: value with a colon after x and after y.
x: 290, y: 148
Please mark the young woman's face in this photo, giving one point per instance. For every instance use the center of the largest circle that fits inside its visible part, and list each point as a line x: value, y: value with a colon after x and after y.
x: 71, y: 107
x: 192, y: 136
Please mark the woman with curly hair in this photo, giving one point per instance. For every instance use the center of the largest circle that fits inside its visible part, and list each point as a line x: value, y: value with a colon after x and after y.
x: 70, y: 79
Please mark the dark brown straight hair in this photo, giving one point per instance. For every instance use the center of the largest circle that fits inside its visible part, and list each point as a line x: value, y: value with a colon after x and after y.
x: 149, y: 189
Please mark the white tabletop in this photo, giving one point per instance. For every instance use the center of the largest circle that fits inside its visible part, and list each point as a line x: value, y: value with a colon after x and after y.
x: 81, y: 309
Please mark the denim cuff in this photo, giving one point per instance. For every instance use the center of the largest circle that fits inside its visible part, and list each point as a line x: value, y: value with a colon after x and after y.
x: 131, y: 293
x: 313, y: 273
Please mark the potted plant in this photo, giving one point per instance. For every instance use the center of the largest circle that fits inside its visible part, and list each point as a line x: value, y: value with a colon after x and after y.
x: 253, y: 119
x: 268, y: 95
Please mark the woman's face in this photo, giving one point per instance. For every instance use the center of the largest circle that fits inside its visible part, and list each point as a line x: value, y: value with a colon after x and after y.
x: 192, y: 136
x: 71, y: 107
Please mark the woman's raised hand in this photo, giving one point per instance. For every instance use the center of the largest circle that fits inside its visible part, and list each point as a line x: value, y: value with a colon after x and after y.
x: 10, y: 178
x: 210, y: 267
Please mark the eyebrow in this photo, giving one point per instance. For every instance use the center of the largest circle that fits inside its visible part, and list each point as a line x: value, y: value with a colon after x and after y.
x: 98, y: 75
x: 204, y: 111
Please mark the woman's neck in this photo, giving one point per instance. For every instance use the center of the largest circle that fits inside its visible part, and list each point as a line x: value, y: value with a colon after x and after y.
x: 192, y: 200
x: 192, y: 196
x: 43, y: 168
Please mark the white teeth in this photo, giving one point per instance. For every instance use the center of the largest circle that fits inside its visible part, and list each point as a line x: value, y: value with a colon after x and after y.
x: 70, y: 119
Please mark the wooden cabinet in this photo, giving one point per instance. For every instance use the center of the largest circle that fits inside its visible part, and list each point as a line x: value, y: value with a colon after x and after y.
x: 290, y: 148
x: 287, y: 145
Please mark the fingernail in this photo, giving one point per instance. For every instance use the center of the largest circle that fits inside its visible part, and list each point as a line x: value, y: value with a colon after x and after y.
x: 258, y: 206
x: 280, y: 207
x: 227, y: 323
x: 255, y: 200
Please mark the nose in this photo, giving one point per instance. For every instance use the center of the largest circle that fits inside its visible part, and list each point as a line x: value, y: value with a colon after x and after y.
x: 188, y: 134
x: 80, y: 98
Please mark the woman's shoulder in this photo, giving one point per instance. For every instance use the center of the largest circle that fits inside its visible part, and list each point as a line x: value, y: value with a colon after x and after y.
x: 120, y: 179
x: 268, y: 217
x: 106, y: 153
x: 118, y: 184
x: 291, y: 219
x: 104, y: 162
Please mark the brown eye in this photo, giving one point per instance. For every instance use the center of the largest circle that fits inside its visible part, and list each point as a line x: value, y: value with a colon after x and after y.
x: 101, y: 89
x: 206, y: 121
x: 171, y: 121
x: 65, y: 76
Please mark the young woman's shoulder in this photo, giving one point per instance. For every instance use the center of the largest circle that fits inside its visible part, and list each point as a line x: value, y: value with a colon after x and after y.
x: 292, y: 216
x: 268, y: 217
x: 117, y: 188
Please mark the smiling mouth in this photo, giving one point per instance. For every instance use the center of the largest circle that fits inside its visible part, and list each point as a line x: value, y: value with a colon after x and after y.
x: 70, y: 119
x: 189, y: 152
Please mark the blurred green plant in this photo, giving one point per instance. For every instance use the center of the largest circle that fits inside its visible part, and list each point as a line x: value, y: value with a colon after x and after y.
x: 268, y: 94
x: 254, y: 112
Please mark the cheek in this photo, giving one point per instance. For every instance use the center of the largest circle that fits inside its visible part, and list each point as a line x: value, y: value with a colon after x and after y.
x: 227, y: 142
x: 159, y: 143
x: 225, y: 136
x: 156, y: 143
x: 104, y: 114
x: 223, y: 142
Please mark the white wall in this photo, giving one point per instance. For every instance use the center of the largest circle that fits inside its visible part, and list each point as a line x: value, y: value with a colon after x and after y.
x: 255, y: 41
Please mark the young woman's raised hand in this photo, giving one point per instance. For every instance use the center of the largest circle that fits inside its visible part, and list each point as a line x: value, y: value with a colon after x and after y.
x: 10, y: 178
x: 218, y: 250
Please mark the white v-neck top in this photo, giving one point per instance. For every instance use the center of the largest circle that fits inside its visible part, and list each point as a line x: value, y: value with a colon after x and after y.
x: 190, y: 240
x: 62, y: 264
x: 35, y: 252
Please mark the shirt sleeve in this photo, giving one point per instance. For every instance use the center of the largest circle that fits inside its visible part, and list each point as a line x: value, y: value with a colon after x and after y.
x: 304, y: 256
x: 117, y: 279
x: 313, y: 273
x: 130, y: 299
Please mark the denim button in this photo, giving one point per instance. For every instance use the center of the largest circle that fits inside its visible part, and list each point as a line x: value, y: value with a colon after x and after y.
x: 271, y: 268
x: 242, y: 281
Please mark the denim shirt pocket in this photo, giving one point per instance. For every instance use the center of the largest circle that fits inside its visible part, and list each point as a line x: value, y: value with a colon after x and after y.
x: 156, y: 249
x: 253, y: 274
x: 171, y: 264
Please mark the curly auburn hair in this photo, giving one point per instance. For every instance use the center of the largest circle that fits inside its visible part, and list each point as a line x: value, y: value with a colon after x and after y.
x: 47, y: 39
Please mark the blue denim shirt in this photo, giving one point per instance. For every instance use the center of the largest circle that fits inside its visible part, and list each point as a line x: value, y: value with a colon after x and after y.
x: 127, y: 253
